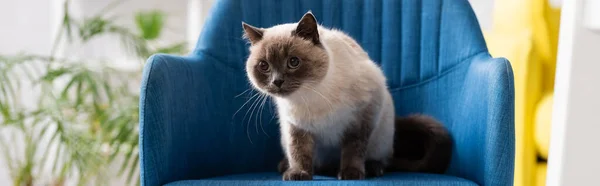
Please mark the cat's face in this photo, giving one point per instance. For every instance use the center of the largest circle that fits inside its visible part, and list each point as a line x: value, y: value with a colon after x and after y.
x: 286, y: 58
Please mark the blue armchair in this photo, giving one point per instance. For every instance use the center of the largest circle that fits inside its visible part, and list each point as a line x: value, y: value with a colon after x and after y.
x: 432, y: 52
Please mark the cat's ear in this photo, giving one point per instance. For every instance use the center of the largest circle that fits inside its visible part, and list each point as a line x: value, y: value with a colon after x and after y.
x: 307, y: 28
x: 252, y: 33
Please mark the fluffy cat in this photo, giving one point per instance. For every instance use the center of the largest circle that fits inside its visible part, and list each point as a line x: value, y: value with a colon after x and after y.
x: 335, y: 111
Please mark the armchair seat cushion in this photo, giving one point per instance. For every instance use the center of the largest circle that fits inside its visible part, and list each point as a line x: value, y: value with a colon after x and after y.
x: 272, y: 178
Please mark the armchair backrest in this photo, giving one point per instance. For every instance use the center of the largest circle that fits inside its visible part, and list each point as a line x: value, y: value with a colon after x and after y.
x: 412, y: 40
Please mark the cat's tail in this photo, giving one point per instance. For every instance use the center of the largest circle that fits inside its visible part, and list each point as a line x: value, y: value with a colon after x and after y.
x: 421, y: 144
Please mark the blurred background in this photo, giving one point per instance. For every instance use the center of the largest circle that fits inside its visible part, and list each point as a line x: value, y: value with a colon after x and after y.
x: 70, y: 73
x: 69, y: 84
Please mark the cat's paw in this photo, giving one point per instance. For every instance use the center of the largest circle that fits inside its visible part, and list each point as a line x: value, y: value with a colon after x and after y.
x: 374, y: 168
x: 296, y: 174
x: 351, y: 173
x: 283, y: 166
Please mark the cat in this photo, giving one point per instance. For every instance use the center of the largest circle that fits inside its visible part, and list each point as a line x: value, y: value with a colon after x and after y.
x: 335, y: 112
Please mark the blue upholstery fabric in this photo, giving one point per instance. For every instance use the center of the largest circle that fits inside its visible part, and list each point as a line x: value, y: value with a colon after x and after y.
x: 432, y: 52
x: 274, y: 179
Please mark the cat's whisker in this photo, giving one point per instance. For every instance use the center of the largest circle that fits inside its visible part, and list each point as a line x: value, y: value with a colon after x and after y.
x: 243, y: 105
x: 273, y: 113
x: 256, y: 117
x: 243, y: 92
x: 324, y: 97
x: 307, y: 108
x: 261, y: 111
x: 251, y: 105
x: 253, y: 108
x: 249, y: 119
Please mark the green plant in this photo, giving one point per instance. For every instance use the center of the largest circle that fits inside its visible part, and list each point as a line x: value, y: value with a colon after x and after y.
x: 86, y: 117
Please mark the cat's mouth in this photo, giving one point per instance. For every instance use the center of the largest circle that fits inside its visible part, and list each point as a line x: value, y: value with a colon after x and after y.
x: 281, y: 92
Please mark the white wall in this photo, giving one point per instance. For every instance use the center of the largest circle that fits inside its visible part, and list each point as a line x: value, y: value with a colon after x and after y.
x: 18, y: 33
x: 483, y: 10
x: 574, y: 151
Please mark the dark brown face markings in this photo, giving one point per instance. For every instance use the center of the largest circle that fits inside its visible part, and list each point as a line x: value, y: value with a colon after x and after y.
x: 308, y: 28
x: 303, y: 43
x: 354, y: 145
x: 252, y: 33
x: 277, y: 52
x: 300, y: 158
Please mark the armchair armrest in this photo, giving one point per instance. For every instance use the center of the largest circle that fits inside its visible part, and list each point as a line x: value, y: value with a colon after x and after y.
x: 484, y: 131
x: 186, y: 126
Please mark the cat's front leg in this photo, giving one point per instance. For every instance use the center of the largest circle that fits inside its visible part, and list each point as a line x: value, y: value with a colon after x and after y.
x: 299, y: 153
x: 354, y: 149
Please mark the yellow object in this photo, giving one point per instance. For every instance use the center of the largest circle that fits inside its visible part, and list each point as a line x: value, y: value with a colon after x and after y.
x: 526, y: 33
x: 543, y: 117
x: 541, y: 174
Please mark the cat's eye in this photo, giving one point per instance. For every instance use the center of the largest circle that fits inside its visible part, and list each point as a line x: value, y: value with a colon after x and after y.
x: 294, y: 62
x: 263, y: 66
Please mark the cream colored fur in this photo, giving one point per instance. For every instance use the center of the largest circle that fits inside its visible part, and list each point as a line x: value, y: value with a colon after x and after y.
x: 326, y: 108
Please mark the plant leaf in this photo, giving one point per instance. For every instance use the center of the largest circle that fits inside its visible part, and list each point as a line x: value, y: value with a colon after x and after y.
x: 133, y: 168
x: 9, y: 160
x: 67, y: 21
x: 178, y: 48
x: 79, y: 97
x: 92, y: 27
x: 57, y: 154
x: 25, y: 67
x: 51, y: 75
x: 126, y: 161
x: 46, y: 153
x: 150, y: 23
x: 108, y: 92
x: 8, y: 89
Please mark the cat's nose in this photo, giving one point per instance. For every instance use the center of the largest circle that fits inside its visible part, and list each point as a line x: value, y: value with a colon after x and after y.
x: 278, y: 82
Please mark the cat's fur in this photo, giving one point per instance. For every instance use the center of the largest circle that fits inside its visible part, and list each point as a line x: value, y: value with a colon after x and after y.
x: 336, y: 113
